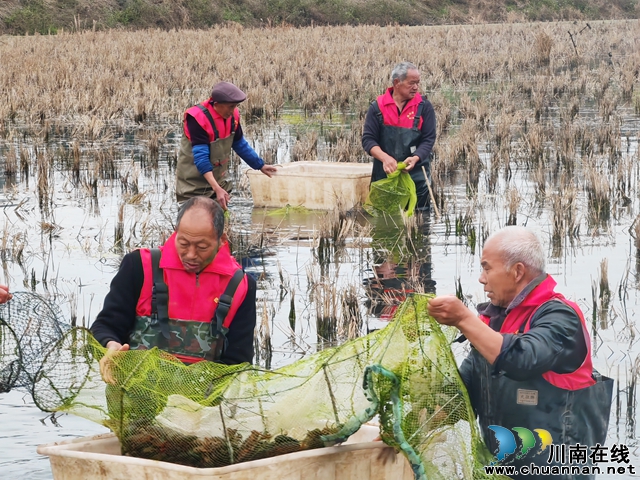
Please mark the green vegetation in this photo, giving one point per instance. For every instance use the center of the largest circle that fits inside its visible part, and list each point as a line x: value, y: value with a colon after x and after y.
x: 30, y: 15
x: 21, y: 17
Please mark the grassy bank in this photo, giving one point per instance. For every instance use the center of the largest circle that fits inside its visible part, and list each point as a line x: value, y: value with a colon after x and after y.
x: 50, y: 16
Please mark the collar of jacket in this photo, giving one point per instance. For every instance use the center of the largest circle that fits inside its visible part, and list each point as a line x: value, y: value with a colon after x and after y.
x: 387, y: 99
x: 531, y: 295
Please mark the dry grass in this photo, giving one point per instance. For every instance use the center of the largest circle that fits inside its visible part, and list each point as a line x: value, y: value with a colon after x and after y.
x: 512, y: 101
x: 101, y: 76
x: 101, y: 85
x: 543, y: 45
x: 565, y: 225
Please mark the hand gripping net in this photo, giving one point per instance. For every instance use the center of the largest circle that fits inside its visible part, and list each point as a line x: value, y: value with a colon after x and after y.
x: 393, y: 194
x: 213, y: 415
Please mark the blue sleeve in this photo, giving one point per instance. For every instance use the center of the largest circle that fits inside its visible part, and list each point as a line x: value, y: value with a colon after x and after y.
x: 248, y: 154
x: 201, y: 158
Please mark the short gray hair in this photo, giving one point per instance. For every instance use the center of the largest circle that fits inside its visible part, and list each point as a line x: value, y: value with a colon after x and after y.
x: 400, y: 71
x: 519, y: 245
x: 210, y: 206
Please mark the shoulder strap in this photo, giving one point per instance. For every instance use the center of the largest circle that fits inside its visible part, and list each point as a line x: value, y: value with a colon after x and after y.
x: 233, y: 124
x: 377, y: 111
x: 416, y: 119
x: 159, y: 295
x: 207, y: 114
x: 217, y: 322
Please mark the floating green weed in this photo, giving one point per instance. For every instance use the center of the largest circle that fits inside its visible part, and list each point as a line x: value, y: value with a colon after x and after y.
x: 288, y: 209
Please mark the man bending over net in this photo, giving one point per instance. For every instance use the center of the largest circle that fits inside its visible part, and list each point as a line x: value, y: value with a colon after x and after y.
x: 189, y: 297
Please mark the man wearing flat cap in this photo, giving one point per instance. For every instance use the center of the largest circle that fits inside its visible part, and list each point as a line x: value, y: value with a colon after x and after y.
x: 211, y: 129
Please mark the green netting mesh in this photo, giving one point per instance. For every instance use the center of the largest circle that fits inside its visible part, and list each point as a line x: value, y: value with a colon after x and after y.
x: 393, y: 194
x: 212, y: 415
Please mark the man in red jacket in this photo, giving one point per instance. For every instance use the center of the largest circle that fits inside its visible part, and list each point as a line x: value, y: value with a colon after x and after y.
x: 400, y: 126
x: 194, y: 301
x: 530, y: 362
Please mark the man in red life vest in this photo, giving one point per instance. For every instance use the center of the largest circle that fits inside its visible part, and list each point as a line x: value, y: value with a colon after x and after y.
x: 189, y: 298
x: 211, y: 129
x: 530, y: 365
x: 401, y: 126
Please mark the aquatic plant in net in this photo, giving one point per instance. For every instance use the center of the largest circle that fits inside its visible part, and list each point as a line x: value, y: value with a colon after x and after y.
x: 213, y: 415
x: 393, y: 194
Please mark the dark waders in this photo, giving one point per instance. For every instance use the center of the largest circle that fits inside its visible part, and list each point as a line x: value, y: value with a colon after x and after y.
x: 400, y: 143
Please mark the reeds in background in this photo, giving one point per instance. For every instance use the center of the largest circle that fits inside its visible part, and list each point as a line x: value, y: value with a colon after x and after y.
x: 530, y: 126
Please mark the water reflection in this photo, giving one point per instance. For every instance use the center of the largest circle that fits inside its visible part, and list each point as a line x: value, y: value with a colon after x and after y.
x: 401, y: 262
x: 7, y: 182
x: 300, y: 281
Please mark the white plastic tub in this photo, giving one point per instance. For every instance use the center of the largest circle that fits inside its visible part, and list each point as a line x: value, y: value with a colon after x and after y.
x: 314, y: 185
x: 99, y: 457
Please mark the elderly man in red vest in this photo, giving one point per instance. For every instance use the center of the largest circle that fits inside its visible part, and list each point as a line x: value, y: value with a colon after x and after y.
x: 211, y: 129
x: 190, y: 297
x: 530, y: 362
x: 401, y: 126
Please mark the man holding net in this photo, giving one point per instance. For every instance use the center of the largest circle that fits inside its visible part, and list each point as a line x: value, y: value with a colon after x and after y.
x: 530, y: 363
x: 400, y: 126
x: 211, y: 129
x: 189, y: 298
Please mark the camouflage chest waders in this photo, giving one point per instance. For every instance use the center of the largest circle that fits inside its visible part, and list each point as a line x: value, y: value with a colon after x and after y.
x: 198, y: 340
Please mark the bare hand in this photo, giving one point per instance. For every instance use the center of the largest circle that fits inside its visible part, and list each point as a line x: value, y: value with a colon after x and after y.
x: 5, y: 296
x: 411, y: 162
x: 269, y: 170
x: 389, y: 165
x: 448, y: 310
x: 222, y: 197
x: 106, y: 362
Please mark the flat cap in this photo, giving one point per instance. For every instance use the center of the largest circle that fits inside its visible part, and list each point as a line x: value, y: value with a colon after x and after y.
x: 225, y: 92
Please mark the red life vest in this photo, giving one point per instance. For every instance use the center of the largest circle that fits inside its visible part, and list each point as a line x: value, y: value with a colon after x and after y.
x: 521, y: 316
x: 223, y: 126
x: 389, y: 110
x: 192, y: 297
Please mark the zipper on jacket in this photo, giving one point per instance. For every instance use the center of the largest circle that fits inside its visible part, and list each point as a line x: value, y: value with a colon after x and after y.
x: 197, y: 279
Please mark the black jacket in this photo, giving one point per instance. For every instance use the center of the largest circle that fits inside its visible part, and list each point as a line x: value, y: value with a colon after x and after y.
x: 512, y: 393
x: 117, y: 318
x: 372, y: 129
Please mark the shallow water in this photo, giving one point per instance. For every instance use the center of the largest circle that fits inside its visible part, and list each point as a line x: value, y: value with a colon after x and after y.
x: 69, y: 255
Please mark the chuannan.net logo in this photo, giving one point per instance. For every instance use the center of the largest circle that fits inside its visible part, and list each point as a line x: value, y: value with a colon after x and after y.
x: 507, y: 444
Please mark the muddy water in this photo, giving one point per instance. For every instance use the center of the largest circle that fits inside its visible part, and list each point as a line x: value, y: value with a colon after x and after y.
x: 71, y: 258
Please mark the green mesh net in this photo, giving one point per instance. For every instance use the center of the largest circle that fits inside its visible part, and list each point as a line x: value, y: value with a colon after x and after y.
x: 393, y: 194
x: 212, y: 415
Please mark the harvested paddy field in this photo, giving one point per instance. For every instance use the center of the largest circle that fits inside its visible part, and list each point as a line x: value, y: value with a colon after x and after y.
x: 538, y: 125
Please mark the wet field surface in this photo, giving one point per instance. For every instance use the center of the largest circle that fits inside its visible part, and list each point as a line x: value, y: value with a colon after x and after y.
x: 615, y: 347
x: 68, y: 247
